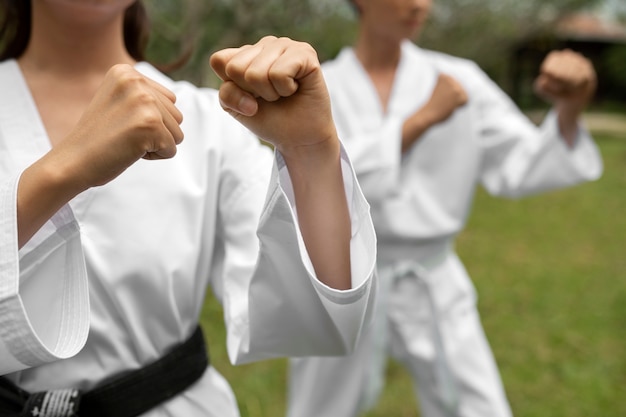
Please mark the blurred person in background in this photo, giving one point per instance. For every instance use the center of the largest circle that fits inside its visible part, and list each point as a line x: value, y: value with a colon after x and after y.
x: 112, y: 227
x: 424, y: 129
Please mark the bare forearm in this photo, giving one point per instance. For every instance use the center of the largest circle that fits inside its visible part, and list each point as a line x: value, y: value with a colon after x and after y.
x: 42, y: 190
x: 415, y: 126
x: 568, y: 118
x: 323, y: 211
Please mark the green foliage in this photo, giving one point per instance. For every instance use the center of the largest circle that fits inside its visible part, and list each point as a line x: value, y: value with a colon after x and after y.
x: 211, y: 25
x: 486, y: 30
x: 482, y: 30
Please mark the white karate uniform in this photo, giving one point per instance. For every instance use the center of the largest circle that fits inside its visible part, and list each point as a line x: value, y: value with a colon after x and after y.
x: 129, y: 263
x: 427, y: 316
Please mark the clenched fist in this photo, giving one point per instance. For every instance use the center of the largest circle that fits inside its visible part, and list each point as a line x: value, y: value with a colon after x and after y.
x: 447, y: 96
x: 130, y: 117
x: 566, y: 78
x: 276, y: 89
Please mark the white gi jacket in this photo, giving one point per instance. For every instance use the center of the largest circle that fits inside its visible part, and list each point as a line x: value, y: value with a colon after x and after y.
x: 421, y: 200
x: 130, y: 262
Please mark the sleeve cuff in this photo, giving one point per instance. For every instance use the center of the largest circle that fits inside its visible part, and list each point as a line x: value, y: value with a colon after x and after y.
x: 44, y: 300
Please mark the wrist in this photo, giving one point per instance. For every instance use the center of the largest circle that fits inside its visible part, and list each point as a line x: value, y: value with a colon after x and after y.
x: 43, y: 189
x: 59, y: 177
x: 415, y: 126
x: 311, y: 157
x: 568, y: 116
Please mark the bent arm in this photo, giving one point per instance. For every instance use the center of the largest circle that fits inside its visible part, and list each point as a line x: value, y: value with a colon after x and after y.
x: 276, y: 89
x: 447, y: 96
x: 43, y: 189
x: 322, y: 210
x: 275, y: 303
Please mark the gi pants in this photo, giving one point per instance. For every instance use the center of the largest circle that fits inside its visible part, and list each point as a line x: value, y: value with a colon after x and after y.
x: 427, y: 319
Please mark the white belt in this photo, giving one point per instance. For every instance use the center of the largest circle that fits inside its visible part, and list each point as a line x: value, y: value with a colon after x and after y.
x: 420, y: 271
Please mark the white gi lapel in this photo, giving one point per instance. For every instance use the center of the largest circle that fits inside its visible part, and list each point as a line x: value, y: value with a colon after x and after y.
x: 23, y: 135
x: 415, y: 74
x: 361, y: 92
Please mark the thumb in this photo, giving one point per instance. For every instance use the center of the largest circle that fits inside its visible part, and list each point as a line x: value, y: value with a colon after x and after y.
x: 237, y: 101
x: 547, y: 87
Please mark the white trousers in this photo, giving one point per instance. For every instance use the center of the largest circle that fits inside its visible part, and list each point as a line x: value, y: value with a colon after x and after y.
x: 430, y: 324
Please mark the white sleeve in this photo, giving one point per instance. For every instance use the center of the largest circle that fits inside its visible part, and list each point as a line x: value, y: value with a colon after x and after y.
x: 521, y: 158
x: 44, y: 300
x: 274, y: 305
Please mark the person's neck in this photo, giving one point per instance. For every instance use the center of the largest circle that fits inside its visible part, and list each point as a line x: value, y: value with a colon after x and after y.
x: 70, y: 52
x: 377, y: 54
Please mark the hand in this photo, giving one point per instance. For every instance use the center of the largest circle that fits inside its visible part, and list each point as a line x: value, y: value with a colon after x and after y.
x: 276, y: 89
x: 130, y: 117
x: 567, y: 79
x: 447, y: 96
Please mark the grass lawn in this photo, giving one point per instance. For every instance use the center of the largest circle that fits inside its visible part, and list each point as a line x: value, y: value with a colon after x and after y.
x: 551, y: 274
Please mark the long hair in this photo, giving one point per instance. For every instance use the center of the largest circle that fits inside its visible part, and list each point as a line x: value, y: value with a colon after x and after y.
x: 15, y: 26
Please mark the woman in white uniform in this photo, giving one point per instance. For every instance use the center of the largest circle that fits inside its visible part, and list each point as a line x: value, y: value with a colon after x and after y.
x: 112, y: 226
x: 423, y: 129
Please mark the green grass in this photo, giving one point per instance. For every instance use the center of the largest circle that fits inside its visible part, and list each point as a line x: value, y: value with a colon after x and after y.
x: 551, y: 275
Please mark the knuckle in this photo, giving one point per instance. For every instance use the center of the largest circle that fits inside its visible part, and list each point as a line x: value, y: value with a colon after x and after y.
x: 255, y: 76
x: 128, y: 77
x: 286, y: 41
x: 178, y: 116
x: 275, y: 74
x: 234, y: 71
x: 309, y: 49
x: 149, y: 119
x: 120, y: 70
x: 169, y: 150
x: 145, y: 98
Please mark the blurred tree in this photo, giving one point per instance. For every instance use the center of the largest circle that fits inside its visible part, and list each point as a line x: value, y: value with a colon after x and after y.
x: 486, y: 30
x: 199, y: 27
x: 615, y: 62
x: 482, y: 30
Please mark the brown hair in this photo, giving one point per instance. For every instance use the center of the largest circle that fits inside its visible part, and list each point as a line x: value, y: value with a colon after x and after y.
x: 15, y: 25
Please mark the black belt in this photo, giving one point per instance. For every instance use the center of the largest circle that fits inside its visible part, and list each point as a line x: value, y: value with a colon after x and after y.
x: 126, y: 395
